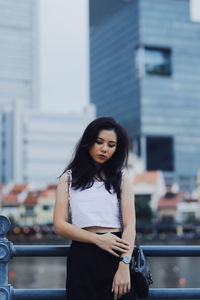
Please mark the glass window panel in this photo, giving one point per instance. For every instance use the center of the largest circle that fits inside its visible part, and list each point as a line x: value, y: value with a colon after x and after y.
x: 158, y: 61
x: 160, y: 153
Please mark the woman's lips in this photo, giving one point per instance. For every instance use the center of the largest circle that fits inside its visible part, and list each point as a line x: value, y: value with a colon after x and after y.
x: 101, y: 156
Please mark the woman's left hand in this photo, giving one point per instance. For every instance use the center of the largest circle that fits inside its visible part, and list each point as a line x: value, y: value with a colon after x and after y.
x: 121, y: 281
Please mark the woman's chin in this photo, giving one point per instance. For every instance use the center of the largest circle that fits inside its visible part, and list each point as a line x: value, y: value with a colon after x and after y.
x: 99, y: 161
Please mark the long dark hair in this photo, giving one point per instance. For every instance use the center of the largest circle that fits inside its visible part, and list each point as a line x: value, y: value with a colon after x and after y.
x: 82, y: 165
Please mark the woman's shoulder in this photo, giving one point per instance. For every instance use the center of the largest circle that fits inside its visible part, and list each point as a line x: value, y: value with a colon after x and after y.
x: 65, y: 180
x: 125, y: 176
x: 124, y: 173
x: 66, y: 176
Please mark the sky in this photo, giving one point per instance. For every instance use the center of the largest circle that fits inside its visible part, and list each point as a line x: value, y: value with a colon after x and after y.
x: 63, y: 54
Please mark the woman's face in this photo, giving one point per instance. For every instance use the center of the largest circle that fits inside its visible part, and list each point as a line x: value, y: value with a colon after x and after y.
x: 104, y: 146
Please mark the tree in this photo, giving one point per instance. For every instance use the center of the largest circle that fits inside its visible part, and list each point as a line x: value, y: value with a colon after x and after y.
x: 143, y: 209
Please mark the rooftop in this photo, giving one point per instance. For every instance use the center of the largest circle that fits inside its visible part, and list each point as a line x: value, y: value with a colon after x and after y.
x: 31, y: 198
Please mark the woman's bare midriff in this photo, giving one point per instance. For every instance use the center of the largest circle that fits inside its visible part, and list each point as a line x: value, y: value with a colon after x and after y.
x: 101, y: 229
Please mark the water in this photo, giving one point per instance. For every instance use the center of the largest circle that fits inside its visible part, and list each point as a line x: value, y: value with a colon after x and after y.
x: 173, y: 272
x: 37, y: 272
x: 50, y: 272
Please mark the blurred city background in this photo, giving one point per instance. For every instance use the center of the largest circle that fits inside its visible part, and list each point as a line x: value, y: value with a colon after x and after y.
x: 62, y: 64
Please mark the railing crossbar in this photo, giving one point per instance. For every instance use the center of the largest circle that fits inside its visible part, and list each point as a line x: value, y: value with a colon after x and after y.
x: 59, y: 294
x: 55, y: 250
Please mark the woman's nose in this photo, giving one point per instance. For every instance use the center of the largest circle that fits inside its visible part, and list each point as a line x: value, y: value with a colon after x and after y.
x: 104, y: 147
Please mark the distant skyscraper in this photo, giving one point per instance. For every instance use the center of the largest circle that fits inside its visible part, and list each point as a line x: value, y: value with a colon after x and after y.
x: 145, y: 71
x: 38, y: 145
x: 18, y: 75
x: 18, y: 51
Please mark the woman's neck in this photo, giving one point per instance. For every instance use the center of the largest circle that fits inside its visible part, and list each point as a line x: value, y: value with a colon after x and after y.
x: 99, y: 176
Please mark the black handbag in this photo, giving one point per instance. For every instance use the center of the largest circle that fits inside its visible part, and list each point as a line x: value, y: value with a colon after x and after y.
x: 141, y: 276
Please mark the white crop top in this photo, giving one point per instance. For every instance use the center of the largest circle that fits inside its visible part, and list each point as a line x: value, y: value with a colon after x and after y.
x: 94, y: 206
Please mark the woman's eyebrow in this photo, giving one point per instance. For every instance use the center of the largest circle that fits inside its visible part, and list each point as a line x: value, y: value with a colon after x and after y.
x: 98, y: 137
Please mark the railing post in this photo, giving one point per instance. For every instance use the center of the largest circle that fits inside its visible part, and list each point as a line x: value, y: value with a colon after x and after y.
x: 5, y: 257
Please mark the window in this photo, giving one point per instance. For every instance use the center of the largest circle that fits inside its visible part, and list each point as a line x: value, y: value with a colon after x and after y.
x: 167, y: 219
x: 136, y: 145
x: 188, y: 217
x: 153, y: 61
x: 157, y: 61
x: 29, y: 208
x: 160, y: 154
x: 46, y: 207
x: 195, y: 10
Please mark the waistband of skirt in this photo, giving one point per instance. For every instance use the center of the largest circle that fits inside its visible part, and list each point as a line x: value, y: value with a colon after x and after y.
x: 118, y: 233
x: 77, y: 243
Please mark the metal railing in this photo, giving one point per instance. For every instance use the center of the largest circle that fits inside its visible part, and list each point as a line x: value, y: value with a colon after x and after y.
x: 9, y: 251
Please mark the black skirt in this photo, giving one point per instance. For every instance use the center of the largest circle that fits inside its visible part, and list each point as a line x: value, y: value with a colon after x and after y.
x: 90, y: 273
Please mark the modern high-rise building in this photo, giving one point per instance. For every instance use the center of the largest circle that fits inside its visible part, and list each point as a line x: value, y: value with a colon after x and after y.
x: 18, y: 73
x: 145, y: 72
x: 38, y: 145
x: 18, y: 51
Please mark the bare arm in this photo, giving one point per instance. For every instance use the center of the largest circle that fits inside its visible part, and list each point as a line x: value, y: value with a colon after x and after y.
x: 128, y: 213
x: 108, y: 241
x: 121, y: 282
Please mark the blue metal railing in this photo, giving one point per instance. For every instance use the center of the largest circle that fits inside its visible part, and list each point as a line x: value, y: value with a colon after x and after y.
x: 8, y: 251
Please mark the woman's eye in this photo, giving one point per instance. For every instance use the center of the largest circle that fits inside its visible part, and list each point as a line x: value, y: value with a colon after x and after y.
x: 109, y: 145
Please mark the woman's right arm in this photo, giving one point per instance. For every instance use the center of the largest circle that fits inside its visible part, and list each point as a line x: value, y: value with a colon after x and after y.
x: 108, y: 241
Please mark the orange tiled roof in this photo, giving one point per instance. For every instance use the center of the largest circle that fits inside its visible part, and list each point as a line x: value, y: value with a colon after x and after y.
x: 31, y: 198
x: 170, y: 200
x: 52, y: 187
x: 148, y: 177
x: 12, y: 195
x: 10, y: 199
x: 47, y: 193
x: 18, y: 188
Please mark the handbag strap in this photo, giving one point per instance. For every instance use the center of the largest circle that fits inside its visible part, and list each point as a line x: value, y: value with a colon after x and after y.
x: 120, y: 210
x: 69, y: 182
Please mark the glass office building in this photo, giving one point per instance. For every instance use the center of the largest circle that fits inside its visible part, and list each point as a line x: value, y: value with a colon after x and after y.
x: 18, y: 72
x: 18, y: 52
x: 145, y: 72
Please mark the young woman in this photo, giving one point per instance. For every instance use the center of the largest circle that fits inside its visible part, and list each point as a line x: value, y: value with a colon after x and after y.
x: 100, y: 198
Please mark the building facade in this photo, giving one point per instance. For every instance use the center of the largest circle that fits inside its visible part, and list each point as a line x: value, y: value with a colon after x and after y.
x: 18, y: 51
x: 38, y: 145
x: 145, y: 72
x: 18, y: 73
x: 48, y: 142
x: 6, y: 145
